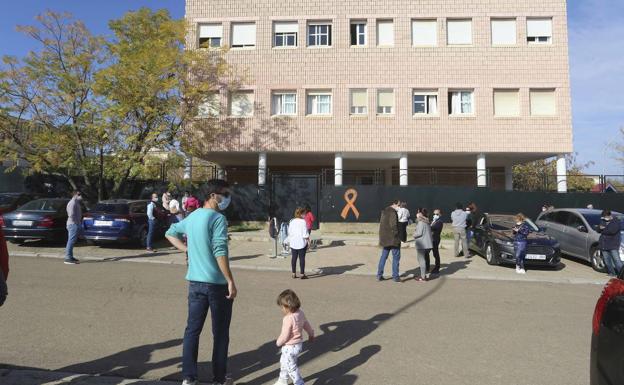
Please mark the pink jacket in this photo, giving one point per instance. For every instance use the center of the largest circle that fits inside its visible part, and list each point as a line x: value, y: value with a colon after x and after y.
x: 293, y: 325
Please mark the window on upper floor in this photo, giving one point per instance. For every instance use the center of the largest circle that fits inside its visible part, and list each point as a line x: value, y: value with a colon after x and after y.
x: 424, y: 33
x: 320, y: 34
x: 461, y: 102
x: 285, y: 103
x: 543, y: 102
x: 210, y: 106
x: 319, y: 102
x: 539, y: 30
x: 425, y: 102
x: 385, y: 33
x: 242, y: 103
x: 459, y: 32
x: 358, y: 33
x: 359, y: 101
x: 385, y: 102
x: 506, y: 103
x: 243, y: 35
x: 503, y: 31
x: 285, y: 33
x: 210, y: 35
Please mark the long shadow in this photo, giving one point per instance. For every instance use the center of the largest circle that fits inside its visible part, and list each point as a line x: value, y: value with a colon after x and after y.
x: 445, y: 269
x: 330, y: 244
x: 339, y: 373
x: 116, y: 259
x: 335, y: 270
x: 244, y: 257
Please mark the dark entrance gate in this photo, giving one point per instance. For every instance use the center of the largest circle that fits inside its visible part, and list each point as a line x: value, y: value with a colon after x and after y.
x: 289, y: 191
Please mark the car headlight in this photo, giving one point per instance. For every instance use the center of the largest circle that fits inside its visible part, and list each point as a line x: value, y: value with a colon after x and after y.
x: 504, y: 243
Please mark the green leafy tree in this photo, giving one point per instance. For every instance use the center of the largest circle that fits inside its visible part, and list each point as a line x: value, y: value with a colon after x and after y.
x: 541, y: 175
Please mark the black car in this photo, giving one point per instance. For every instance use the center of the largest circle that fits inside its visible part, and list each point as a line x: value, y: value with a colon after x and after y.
x: 11, y: 201
x: 607, y: 344
x: 493, y: 238
x: 39, y: 219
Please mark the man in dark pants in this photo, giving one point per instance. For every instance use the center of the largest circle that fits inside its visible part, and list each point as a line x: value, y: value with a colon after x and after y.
x: 436, y: 235
x: 389, y: 240
x: 211, y: 285
x: 609, y: 242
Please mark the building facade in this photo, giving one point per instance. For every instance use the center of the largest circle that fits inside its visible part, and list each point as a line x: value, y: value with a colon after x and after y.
x: 409, y: 89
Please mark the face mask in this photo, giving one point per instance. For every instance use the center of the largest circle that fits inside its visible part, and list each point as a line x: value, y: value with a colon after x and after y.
x: 436, y: 216
x: 518, y: 223
x: 154, y: 199
x: 79, y: 197
x: 224, y: 203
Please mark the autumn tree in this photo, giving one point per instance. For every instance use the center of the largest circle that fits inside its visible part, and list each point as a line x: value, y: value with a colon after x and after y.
x: 541, y: 175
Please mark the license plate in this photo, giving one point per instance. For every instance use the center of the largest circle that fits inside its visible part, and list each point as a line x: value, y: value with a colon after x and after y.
x: 103, y: 223
x: 538, y: 257
x: 23, y: 223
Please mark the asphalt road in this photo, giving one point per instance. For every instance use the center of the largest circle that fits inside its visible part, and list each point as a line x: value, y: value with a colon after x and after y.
x: 126, y: 319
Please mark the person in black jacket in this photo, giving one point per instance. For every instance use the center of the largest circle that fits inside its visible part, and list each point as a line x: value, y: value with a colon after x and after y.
x: 389, y: 240
x: 436, y: 234
x: 609, y: 242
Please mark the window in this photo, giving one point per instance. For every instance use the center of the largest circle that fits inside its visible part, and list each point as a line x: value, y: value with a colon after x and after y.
x: 210, y: 35
x: 385, y: 102
x: 242, y: 104
x: 385, y: 32
x: 319, y: 34
x: 319, y: 103
x: 243, y: 35
x: 424, y: 33
x: 539, y: 31
x: 503, y: 31
x: 285, y: 33
x: 562, y: 217
x: 425, y: 102
x: 285, y: 103
x: 506, y: 103
x: 543, y: 102
x: 210, y: 106
x: 575, y: 221
x: 358, y: 33
x: 461, y: 102
x: 459, y: 32
x: 359, y: 102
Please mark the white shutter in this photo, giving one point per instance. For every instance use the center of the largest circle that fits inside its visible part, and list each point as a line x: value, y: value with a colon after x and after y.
x: 504, y: 32
x: 386, y: 98
x: 425, y: 32
x: 359, y: 98
x: 459, y: 32
x: 385, y: 32
x: 210, y: 30
x: 539, y: 27
x: 506, y: 103
x: 286, y: 27
x: 244, y: 34
x: 242, y: 103
x: 543, y: 103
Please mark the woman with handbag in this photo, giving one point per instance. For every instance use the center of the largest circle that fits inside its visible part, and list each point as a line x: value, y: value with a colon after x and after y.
x: 298, y: 238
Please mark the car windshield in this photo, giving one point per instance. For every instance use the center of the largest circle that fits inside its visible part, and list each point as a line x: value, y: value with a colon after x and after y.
x: 6, y: 200
x: 594, y: 219
x: 508, y: 222
x: 44, y: 205
x: 111, y: 208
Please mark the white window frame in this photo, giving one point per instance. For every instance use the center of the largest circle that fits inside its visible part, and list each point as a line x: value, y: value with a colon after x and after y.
x: 385, y: 21
x: 539, y: 39
x: 448, y: 33
x: 427, y: 21
x: 428, y: 95
x: 278, y: 103
x: 253, y: 102
x: 358, y: 110
x: 460, y: 103
x: 359, y: 34
x: 318, y: 35
x: 210, y: 38
x: 312, y: 102
x: 385, y: 110
x: 285, y: 35
x: 503, y: 20
x: 244, y: 46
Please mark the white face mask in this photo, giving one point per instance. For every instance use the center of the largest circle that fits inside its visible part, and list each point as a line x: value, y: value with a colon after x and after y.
x: 436, y: 216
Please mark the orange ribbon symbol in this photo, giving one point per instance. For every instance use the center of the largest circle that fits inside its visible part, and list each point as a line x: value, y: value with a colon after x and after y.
x: 350, y: 197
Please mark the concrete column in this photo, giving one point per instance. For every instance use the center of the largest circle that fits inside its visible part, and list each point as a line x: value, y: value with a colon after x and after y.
x: 262, y: 168
x: 508, y: 178
x: 481, y: 171
x: 562, y: 174
x: 188, y: 167
x: 338, y: 170
x: 403, y: 167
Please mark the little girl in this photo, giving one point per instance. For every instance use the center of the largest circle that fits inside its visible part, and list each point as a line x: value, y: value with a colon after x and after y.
x: 291, y: 337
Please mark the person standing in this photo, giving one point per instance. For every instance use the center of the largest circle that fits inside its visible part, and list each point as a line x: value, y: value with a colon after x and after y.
x: 404, y: 217
x: 174, y: 209
x: 521, y: 232
x: 309, y: 219
x: 211, y: 283
x: 151, y: 222
x: 423, y: 242
x: 458, y: 219
x: 436, y: 235
x: 186, y: 196
x: 298, y: 238
x: 389, y: 240
x: 166, y: 200
x: 191, y: 204
x: 74, y: 222
x: 609, y: 242
x: 4, y: 266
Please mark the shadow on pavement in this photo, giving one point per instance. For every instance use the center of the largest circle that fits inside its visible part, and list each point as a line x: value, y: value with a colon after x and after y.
x: 244, y: 257
x: 335, y: 270
x: 445, y: 269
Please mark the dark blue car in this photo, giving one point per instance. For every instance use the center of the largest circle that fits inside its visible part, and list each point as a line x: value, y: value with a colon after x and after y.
x: 120, y: 221
x: 39, y: 219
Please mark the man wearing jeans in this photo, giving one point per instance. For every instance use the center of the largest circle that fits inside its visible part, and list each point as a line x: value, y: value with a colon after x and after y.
x: 211, y: 285
x: 459, y: 218
x: 389, y: 240
x: 151, y: 222
x: 609, y: 242
x: 74, y: 221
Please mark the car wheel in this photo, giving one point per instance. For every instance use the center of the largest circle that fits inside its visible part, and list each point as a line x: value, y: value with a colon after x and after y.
x: 490, y: 256
x: 596, y: 260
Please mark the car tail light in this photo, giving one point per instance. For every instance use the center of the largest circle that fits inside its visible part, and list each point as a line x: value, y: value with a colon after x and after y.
x: 123, y: 219
x: 612, y: 289
x: 46, y: 222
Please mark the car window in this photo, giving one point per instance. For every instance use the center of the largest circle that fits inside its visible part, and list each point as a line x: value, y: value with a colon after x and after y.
x: 6, y: 200
x: 575, y: 221
x: 44, y: 205
x: 561, y: 217
x: 138, y: 208
x: 548, y: 217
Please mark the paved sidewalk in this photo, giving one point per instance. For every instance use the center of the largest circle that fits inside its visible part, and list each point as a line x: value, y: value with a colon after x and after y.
x: 44, y: 377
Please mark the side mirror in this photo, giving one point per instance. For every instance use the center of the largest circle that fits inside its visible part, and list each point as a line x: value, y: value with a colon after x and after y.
x: 582, y: 229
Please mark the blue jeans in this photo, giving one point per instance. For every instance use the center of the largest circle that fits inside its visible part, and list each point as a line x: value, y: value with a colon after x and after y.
x: 396, y: 256
x: 151, y: 224
x: 201, y: 297
x: 520, y: 249
x: 72, y: 237
x: 612, y: 261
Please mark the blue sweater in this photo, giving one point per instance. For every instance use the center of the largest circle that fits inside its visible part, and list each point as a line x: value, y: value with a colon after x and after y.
x: 522, y: 233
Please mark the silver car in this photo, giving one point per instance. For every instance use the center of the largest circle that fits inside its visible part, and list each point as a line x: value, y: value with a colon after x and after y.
x: 575, y: 229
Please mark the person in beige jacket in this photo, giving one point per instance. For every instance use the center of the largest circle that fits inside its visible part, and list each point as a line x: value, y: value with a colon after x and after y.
x: 423, y: 242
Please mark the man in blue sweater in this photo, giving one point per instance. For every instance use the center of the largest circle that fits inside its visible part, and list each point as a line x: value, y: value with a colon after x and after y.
x: 211, y: 284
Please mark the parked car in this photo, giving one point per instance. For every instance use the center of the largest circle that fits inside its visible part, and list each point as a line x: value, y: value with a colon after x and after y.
x: 575, y: 229
x: 493, y: 238
x: 11, y: 201
x: 120, y: 221
x: 607, y: 344
x: 39, y: 219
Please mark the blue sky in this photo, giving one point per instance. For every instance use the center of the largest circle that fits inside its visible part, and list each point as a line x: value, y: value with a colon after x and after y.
x: 596, y: 31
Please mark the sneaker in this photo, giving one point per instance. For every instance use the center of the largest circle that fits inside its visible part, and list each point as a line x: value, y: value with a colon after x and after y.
x: 151, y: 250
x: 397, y: 280
x: 190, y: 382
x: 380, y: 278
x: 521, y: 271
x: 72, y: 261
x: 281, y: 382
